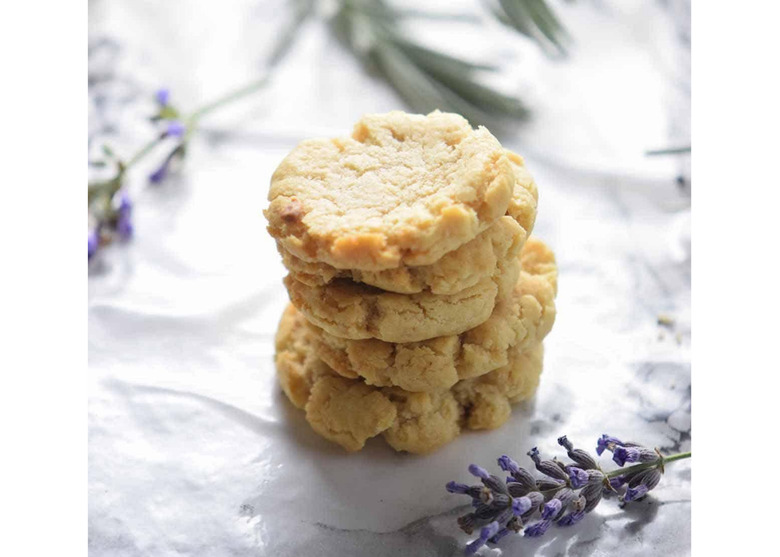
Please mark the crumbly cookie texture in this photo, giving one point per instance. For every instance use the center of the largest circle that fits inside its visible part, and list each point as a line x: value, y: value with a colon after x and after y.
x: 349, y: 412
x: 521, y: 320
x: 353, y: 310
x: 404, y: 189
x: 456, y: 270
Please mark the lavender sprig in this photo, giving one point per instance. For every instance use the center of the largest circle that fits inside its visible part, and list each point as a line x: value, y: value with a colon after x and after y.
x: 109, y: 206
x: 566, y: 493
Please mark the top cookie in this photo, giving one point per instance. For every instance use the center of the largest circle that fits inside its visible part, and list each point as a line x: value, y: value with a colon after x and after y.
x: 458, y: 269
x: 404, y: 189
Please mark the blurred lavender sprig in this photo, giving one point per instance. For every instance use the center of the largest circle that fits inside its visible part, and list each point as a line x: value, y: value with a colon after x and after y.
x: 563, y: 496
x: 108, y: 202
x: 109, y: 206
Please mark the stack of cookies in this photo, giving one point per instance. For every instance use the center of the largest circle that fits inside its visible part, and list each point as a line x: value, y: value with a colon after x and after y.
x: 419, y: 303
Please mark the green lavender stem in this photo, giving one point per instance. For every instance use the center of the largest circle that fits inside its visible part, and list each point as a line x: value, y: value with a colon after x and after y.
x: 645, y: 465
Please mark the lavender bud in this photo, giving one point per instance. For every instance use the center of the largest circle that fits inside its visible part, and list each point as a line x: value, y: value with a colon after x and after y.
x: 500, y: 500
x: 565, y: 496
x: 495, y: 484
x: 622, y: 455
x: 485, y: 512
x: 536, y: 499
x: 551, y: 509
x: 504, y: 516
x: 564, y: 442
x: 92, y: 243
x: 478, y: 471
x: 455, y: 487
x: 590, y: 491
x: 538, y: 529
x: 617, y: 482
x: 501, y: 533
x: 524, y: 478
x: 486, y: 533
x: 583, y: 459
x: 592, y: 494
x: 521, y: 505
x: 595, y: 477
x: 162, y: 171
x: 175, y: 129
x: 649, y: 477
x: 578, y: 477
x: 546, y: 484
x: 571, y: 518
x: 124, y: 211
x: 515, y: 489
x: 507, y: 464
x: 163, y: 96
x: 607, y: 443
x: 547, y: 467
x: 634, y: 493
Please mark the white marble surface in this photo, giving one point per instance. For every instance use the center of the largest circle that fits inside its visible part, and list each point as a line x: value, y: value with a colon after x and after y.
x: 193, y: 450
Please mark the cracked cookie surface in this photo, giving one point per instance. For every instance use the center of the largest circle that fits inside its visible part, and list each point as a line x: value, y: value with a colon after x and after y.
x: 456, y: 270
x: 521, y: 320
x: 403, y: 189
x: 349, y: 412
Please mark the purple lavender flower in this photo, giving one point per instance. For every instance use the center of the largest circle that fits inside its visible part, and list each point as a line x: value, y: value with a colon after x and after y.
x: 622, y: 455
x: 486, y: 533
x: 571, y: 518
x: 617, y: 482
x: 92, y: 243
x: 507, y: 464
x: 607, y: 443
x: 162, y: 171
x: 521, y: 505
x: 634, y: 493
x: 175, y: 129
x: 641, y: 483
x: 124, y: 212
x: 477, y: 492
x: 551, y: 509
x: 578, y: 477
x: 478, y: 471
x: 501, y: 533
x: 566, y: 493
x: 163, y: 96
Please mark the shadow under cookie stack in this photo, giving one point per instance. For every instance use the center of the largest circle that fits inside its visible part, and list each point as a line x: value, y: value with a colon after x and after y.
x: 419, y: 303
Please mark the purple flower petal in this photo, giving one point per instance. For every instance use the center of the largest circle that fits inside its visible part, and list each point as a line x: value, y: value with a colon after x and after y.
x: 521, y: 505
x: 175, y: 129
x: 478, y: 471
x: 507, y: 464
x: 578, y: 477
x: 607, y: 443
x: 163, y: 96
x: 634, y: 493
x: 455, y: 487
x: 551, y: 509
x: 159, y: 175
x: 92, y: 243
x: 622, y: 455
